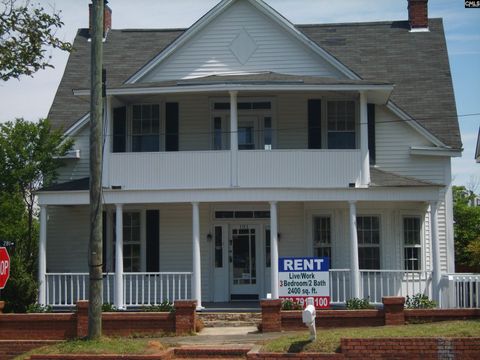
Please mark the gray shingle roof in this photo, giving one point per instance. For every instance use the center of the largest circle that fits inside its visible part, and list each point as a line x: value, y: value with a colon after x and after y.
x: 417, y: 63
x: 381, y: 178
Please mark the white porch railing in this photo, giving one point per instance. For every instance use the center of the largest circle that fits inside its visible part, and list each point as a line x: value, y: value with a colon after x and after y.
x: 374, y: 284
x: 65, y: 289
x: 460, y: 291
x: 340, y: 288
x: 154, y: 288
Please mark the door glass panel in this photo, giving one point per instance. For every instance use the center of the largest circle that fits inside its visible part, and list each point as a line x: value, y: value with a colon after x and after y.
x: 244, y: 266
x: 245, y: 137
x: 218, y: 247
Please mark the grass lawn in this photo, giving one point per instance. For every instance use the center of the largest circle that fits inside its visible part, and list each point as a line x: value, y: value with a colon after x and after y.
x: 328, y: 340
x: 138, y: 346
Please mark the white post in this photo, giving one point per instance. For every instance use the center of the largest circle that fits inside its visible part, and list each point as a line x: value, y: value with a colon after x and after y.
x: 196, y: 263
x: 436, y: 270
x: 274, y: 249
x: 119, y: 258
x: 233, y: 138
x: 354, y: 267
x: 42, y: 257
x: 365, y: 179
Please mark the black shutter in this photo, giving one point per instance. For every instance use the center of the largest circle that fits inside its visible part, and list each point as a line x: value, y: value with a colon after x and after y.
x: 171, y: 126
x: 153, y: 240
x: 104, y: 242
x: 371, y: 133
x: 314, y: 124
x: 119, y: 129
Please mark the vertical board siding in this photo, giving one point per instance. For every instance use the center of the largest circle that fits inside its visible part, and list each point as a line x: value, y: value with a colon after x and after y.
x: 67, y: 238
x: 74, y: 169
x: 208, y: 52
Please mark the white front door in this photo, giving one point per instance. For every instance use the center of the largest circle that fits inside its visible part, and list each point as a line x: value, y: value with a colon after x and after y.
x: 244, y: 261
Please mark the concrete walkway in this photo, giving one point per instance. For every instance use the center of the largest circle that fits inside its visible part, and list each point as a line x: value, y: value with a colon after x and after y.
x: 226, y: 336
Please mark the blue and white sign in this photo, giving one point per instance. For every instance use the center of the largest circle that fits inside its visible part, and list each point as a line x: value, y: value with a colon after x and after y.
x: 300, y: 278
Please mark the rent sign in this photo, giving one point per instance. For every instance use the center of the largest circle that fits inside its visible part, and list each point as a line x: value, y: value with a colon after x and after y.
x: 300, y: 278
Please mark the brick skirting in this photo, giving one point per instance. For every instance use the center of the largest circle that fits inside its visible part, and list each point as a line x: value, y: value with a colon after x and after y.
x: 61, y: 326
x: 390, y: 348
x: 10, y: 349
x: 393, y: 313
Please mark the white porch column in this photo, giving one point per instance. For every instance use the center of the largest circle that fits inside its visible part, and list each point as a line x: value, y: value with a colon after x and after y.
x: 119, y: 258
x: 354, y: 267
x: 233, y: 138
x: 436, y: 270
x: 365, y: 178
x: 274, y: 249
x: 196, y: 263
x: 42, y: 257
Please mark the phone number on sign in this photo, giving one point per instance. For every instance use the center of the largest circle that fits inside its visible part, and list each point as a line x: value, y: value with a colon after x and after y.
x: 321, y: 302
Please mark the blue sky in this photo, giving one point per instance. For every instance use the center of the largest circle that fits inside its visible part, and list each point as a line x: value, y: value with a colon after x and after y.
x: 32, y: 97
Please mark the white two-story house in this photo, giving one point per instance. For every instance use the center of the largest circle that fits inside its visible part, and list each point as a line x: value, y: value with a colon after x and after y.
x: 245, y: 138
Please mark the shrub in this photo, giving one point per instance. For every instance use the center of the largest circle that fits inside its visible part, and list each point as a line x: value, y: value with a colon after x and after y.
x: 165, y: 306
x: 291, y: 305
x: 419, y: 301
x: 358, y: 304
x: 109, y: 307
x: 37, y: 308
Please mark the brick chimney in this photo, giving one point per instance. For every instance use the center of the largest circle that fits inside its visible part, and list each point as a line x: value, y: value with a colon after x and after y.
x: 107, y: 18
x: 418, y: 14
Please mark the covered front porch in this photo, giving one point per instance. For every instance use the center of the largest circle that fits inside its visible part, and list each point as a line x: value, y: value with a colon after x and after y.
x: 381, y: 241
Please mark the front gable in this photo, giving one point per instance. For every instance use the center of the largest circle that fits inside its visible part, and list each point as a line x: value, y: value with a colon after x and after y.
x: 241, y: 39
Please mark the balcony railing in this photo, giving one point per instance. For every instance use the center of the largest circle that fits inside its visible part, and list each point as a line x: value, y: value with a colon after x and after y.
x: 213, y: 169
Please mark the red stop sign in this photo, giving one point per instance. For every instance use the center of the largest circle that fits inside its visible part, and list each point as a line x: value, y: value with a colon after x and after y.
x: 4, y: 267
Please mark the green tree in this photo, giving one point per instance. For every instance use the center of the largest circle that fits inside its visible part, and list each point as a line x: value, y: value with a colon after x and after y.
x: 466, y: 228
x: 29, y: 155
x: 27, y: 30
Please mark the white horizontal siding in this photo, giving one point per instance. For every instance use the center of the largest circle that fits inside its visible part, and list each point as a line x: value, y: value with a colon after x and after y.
x: 393, y: 140
x: 208, y: 52
x: 74, y: 169
x: 176, y: 241
x: 68, y: 231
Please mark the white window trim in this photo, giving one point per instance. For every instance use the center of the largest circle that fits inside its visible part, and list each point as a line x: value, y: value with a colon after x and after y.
x: 161, y: 125
x: 325, y: 130
x: 381, y: 233
x: 422, y: 246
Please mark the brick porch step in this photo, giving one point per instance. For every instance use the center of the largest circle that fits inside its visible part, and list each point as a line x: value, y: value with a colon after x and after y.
x: 211, y: 352
x: 230, y: 319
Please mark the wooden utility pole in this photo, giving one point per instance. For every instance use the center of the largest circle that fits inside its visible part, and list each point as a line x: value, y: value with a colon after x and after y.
x: 96, y: 155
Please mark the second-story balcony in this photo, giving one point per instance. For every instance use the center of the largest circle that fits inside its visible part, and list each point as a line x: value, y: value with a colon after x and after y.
x: 238, y: 138
x: 217, y: 169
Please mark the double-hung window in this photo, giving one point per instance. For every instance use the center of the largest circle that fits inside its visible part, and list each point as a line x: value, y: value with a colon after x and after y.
x: 145, y: 128
x: 322, y: 237
x: 412, y: 243
x: 131, y: 242
x: 341, y: 124
x: 368, y: 232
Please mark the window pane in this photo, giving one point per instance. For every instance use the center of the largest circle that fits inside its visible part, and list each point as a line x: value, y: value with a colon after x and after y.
x: 412, y: 258
x: 146, y: 128
x: 217, y: 135
x: 268, y: 255
x: 218, y: 247
x: 369, y: 258
x: 341, y: 140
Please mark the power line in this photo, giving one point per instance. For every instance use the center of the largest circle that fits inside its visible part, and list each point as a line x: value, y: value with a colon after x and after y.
x: 298, y: 128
